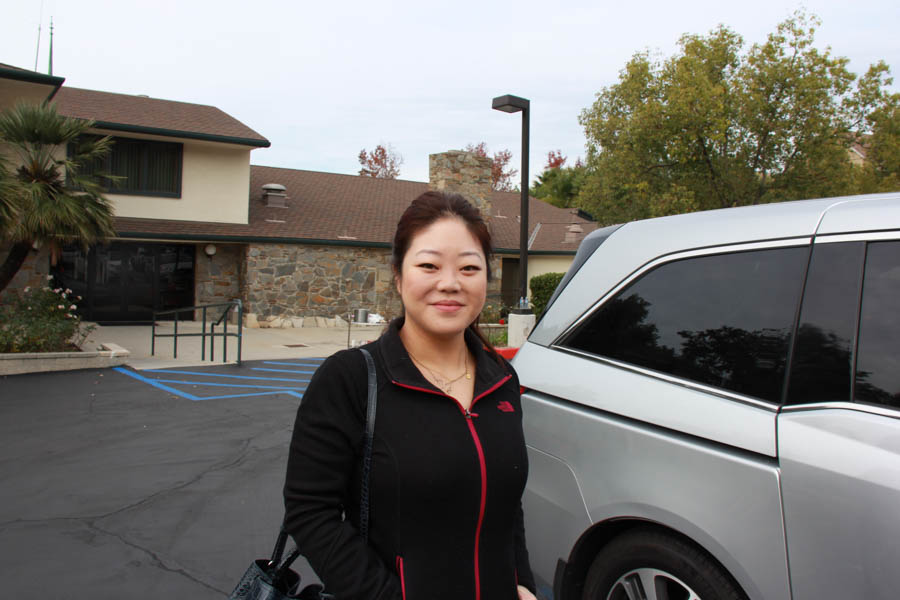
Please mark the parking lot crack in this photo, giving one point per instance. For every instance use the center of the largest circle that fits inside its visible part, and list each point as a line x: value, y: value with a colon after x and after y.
x: 221, y: 466
x: 156, y: 560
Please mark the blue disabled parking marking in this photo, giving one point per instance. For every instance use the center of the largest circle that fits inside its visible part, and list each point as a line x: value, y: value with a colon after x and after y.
x: 202, y: 374
x: 295, y: 394
x: 231, y: 385
x: 287, y: 364
x: 156, y: 384
x: 201, y: 379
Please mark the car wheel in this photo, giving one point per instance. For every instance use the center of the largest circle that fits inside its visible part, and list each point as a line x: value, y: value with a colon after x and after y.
x: 646, y: 564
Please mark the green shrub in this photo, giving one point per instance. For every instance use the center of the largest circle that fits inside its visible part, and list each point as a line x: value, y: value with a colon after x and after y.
x: 41, y: 320
x: 494, y: 310
x: 542, y: 288
x: 497, y: 336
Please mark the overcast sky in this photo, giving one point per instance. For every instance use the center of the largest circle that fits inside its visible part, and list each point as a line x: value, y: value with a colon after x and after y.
x: 323, y: 80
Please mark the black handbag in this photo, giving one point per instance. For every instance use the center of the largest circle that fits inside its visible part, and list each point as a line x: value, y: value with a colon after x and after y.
x: 273, y: 578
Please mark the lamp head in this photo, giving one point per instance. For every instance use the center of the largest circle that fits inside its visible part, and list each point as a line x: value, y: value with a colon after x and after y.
x: 510, y: 103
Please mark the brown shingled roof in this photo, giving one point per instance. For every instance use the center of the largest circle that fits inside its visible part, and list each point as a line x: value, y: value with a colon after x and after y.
x: 122, y: 112
x: 359, y: 210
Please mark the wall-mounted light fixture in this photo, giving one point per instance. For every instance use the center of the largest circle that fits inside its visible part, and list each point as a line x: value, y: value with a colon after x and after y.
x: 210, y: 250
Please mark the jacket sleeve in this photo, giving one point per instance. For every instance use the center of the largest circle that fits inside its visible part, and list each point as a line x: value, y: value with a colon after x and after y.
x: 524, y: 576
x: 325, y: 449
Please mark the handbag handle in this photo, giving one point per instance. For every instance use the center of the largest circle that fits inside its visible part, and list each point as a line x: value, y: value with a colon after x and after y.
x: 276, y: 568
x: 278, y: 550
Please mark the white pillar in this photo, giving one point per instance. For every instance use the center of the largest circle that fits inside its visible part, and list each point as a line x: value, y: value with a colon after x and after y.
x: 519, y: 328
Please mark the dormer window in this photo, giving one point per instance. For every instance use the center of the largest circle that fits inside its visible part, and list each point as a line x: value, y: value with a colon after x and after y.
x: 147, y: 168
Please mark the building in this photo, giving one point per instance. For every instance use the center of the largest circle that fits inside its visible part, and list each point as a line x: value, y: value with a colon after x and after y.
x: 197, y: 224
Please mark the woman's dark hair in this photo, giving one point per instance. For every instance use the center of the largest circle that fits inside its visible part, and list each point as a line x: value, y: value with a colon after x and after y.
x: 429, y: 208
x: 434, y: 206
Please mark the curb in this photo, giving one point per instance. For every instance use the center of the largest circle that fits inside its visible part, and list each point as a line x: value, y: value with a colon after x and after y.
x: 111, y: 355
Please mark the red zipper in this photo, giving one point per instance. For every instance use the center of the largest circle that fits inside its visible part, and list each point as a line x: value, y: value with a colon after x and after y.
x: 482, y: 464
x: 402, y: 577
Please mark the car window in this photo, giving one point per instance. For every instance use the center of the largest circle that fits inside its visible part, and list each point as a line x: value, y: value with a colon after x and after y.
x: 723, y: 320
x: 878, y: 353
x: 821, y: 368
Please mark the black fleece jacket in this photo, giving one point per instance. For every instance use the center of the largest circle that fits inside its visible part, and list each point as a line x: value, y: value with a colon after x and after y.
x: 446, y: 484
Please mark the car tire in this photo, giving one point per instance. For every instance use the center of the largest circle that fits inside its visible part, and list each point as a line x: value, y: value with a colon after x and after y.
x: 647, y: 564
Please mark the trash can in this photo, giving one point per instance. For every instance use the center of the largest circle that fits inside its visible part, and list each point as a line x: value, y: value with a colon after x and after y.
x: 362, y: 315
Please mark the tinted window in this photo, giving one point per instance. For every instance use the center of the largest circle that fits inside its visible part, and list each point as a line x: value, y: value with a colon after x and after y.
x: 723, y: 320
x: 822, y: 365
x: 141, y: 166
x: 878, y: 354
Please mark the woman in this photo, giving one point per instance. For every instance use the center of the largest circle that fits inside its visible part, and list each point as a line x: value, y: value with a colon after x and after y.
x: 449, y: 462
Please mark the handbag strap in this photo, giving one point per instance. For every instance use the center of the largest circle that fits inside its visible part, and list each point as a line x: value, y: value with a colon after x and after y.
x: 371, y: 405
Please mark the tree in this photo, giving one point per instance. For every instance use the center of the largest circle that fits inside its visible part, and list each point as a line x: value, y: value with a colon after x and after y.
x: 8, y: 207
x: 557, y: 184
x: 382, y: 163
x: 560, y: 186
x: 501, y: 173
x: 881, y: 172
x: 713, y: 126
x: 46, y: 199
x: 555, y: 160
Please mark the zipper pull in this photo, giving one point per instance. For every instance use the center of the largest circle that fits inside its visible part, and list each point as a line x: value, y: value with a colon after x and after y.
x: 470, y: 414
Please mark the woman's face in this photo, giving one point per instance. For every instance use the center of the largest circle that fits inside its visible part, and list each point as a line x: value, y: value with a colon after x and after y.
x: 443, y: 278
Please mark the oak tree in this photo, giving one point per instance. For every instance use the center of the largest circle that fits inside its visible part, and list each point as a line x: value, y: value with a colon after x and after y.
x: 716, y: 126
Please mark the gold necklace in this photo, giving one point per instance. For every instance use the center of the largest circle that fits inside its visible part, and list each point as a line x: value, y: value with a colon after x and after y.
x: 442, y: 381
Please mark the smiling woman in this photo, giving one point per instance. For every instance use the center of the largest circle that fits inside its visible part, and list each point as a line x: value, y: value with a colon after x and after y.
x: 449, y: 463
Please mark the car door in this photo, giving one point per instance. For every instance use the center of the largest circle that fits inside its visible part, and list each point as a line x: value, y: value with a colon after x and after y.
x: 839, y: 433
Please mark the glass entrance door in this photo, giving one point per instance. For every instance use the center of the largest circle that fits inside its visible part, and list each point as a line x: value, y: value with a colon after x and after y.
x: 126, y: 282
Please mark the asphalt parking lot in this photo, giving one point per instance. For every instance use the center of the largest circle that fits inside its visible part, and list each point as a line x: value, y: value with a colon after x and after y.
x: 159, y: 483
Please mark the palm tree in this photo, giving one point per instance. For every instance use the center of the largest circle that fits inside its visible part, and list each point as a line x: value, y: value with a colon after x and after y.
x: 46, y: 199
x: 8, y: 209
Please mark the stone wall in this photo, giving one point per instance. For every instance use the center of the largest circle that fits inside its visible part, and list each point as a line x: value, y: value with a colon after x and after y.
x: 465, y: 173
x: 286, y: 280
x: 218, y: 278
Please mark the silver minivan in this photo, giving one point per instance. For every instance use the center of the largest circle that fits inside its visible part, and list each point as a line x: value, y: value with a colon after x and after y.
x: 712, y: 408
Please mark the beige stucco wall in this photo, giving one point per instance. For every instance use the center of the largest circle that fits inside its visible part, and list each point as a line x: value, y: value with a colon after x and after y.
x: 538, y: 265
x: 13, y: 91
x: 215, y: 183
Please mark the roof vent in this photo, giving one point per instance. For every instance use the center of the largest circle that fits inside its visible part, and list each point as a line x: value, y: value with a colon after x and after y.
x: 572, y: 232
x: 275, y: 195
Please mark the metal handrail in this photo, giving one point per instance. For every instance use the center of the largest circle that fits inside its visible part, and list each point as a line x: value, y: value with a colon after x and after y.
x: 203, y: 334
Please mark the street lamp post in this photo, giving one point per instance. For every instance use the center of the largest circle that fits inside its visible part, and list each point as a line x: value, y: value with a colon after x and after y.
x: 512, y: 104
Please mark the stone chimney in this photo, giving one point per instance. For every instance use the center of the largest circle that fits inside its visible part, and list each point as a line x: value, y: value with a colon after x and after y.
x: 464, y: 173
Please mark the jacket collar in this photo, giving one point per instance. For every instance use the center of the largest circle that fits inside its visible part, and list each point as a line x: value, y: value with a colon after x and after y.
x: 401, y: 368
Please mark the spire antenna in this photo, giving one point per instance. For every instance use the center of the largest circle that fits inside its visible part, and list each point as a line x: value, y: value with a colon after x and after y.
x: 50, y: 72
x: 37, y: 50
